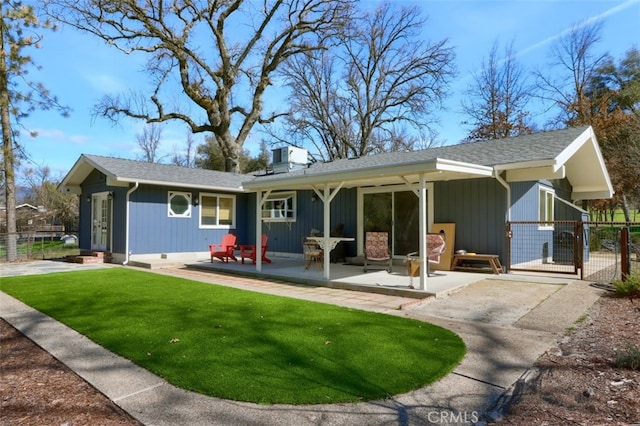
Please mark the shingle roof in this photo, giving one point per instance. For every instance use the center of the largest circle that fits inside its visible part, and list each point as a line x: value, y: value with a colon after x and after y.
x: 130, y: 170
x: 526, y: 148
x: 542, y: 146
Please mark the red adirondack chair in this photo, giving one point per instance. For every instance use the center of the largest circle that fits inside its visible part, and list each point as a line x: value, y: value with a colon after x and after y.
x: 248, y: 251
x: 225, y: 250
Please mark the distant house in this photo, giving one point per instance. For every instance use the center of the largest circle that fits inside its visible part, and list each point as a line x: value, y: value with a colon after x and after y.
x: 130, y: 208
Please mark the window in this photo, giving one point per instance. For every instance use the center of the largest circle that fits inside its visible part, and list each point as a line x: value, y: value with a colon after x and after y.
x: 217, y: 211
x: 280, y: 207
x: 179, y: 204
x: 545, y: 207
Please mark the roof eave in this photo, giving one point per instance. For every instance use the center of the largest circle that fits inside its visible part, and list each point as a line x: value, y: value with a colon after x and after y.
x: 437, y: 165
x: 127, y: 181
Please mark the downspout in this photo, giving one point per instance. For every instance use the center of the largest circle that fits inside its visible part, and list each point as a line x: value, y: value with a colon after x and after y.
x: 126, y: 223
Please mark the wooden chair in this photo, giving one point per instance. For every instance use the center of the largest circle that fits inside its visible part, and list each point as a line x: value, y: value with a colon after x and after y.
x: 248, y: 251
x: 225, y: 250
x: 376, y: 250
x: 313, y: 253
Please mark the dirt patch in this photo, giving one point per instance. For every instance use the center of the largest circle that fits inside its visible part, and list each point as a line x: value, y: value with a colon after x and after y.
x: 37, y: 389
x: 578, y: 382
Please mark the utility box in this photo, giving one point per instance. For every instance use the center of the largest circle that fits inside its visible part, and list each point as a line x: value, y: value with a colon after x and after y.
x: 288, y: 158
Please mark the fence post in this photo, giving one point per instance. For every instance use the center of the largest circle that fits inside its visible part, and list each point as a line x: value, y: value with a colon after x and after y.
x: 624, y: 253
x: 509, y: 236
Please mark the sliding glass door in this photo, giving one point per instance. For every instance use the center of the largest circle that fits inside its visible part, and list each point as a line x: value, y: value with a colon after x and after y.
x: 393, y: 210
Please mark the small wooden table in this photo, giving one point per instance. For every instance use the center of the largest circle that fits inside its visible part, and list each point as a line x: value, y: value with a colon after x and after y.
x: 492, y: 259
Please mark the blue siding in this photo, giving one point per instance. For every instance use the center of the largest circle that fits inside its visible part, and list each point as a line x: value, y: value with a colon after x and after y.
x: 309, y: 215
x: 478, y: 208
x: 153, y: 231
x: 537, y: 244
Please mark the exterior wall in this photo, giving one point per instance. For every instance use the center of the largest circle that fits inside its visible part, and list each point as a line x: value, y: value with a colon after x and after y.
x: 478, y: 208
x: 96, y: 182
x: 525, y: 204
x: 287, y: 237
x: 153, y: 231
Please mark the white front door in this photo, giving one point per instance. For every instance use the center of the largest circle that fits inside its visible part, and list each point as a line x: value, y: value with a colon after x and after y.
x: 101, y: 222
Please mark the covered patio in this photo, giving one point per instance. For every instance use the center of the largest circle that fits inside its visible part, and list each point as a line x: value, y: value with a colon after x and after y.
x: 343, y: 276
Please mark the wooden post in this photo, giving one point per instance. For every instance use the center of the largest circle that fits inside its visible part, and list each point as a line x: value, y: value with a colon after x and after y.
x: 624, y: 253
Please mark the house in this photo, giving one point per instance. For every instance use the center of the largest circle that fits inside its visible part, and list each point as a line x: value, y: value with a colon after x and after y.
x: 130, y: 208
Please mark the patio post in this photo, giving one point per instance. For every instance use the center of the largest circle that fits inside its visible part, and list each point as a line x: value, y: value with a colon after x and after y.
x: 422, y: 213
x: 327, y: 230
x: 259, y: 203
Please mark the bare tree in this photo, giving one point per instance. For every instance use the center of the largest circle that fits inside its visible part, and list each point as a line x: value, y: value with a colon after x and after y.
x: 149, y: 142
x: 381, y: 80
x: 186, y: 159
x: 573, y: 64
x: 496, y: 100
x: 222, y: 52
x: 61, y: 207
x: 19, y: 96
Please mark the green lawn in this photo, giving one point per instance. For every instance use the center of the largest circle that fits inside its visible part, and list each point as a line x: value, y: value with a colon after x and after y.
x: 242, y: 345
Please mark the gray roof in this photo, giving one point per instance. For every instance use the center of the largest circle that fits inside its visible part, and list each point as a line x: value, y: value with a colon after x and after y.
x: 123, y: 170
x: 552, y: 148
x: 527, y: 148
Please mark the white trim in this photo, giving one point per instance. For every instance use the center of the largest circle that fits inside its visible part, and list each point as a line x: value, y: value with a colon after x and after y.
x: 217, y: 196
x: 280, y: 214
x: 547, y: 191
x: 384, y: 189
x: 170, y: 212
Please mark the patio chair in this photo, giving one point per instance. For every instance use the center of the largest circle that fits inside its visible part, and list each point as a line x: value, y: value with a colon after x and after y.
x: 248, y: 251
x: 225, y: 250
x: 376, y: 250
x: 436, y: 245
x: 313, y: 253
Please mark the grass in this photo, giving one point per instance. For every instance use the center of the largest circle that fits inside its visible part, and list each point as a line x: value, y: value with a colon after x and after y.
x: 42, y: 249
x: 242, y: 345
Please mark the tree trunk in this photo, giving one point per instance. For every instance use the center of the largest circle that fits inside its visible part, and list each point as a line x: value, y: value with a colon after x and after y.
x: 10, y: 186
x: 625, y: 209
x: 9, y: 160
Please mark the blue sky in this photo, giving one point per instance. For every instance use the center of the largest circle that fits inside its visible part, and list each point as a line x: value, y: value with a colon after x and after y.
x: 79, y: 69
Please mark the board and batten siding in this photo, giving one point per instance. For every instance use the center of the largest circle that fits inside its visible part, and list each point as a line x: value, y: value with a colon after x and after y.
x: 478, y: 207
x: 153, y: 231
x: 95, y: 183
x: 287, y: 237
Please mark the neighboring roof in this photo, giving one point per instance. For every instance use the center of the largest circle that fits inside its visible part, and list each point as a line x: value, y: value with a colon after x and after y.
x: 122, y: 172
x: 571, y: 153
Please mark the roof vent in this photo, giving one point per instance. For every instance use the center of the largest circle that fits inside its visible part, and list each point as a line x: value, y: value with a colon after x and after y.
x: 288, y: 158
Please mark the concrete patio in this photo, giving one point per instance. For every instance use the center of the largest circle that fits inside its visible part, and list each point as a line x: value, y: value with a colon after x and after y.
x: 343, y: 276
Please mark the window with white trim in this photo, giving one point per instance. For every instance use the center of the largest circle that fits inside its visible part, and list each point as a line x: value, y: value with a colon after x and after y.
x: 545, y: 207
x: 280, y: 207
x: 179, y: 204
x: 217, y: 211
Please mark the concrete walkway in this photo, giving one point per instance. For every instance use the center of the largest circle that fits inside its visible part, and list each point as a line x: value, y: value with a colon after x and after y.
x: 506, y: 322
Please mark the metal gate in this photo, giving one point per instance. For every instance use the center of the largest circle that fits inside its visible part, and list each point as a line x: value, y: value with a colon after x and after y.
x: 592, y: 250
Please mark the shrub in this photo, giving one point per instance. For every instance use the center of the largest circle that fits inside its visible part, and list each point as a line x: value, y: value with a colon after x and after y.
x: 628, y: 288
x: 629, y: 357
